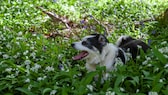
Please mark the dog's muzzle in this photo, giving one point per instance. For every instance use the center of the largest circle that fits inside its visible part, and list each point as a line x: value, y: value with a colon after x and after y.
x: 81, y: 55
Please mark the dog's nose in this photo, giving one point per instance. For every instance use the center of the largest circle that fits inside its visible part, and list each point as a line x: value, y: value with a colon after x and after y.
x: 72, y: 44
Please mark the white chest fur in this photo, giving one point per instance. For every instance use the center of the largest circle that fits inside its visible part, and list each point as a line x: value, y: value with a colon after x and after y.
x: 106, y: 58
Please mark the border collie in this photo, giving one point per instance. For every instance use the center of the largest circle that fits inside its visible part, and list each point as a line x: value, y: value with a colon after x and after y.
x: 97, y: 50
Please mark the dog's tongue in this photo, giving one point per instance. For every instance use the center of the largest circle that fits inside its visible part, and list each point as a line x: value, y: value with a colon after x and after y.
x: 80, y: 55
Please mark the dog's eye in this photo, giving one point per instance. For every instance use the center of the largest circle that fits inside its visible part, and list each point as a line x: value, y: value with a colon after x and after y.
x: 84, y: 43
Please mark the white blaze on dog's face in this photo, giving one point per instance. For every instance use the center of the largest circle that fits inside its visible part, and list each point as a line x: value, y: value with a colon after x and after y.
x: 91, y: 46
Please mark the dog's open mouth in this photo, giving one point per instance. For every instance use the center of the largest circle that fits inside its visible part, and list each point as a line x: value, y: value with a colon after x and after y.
x: 80, y: 56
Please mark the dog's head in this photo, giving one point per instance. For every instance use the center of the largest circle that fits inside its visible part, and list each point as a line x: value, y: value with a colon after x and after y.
x: 90, y: 46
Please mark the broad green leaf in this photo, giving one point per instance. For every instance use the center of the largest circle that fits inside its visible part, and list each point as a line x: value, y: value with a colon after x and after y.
x: 46, y: 90
x: 157, y: 87
x: 159, y: 55
x: 25, y: 91
x: 165, y: 92
x: 157, y: 78
x: 119, y: 80
x: 89, y: 77
x: 8, y: 94
x: 64, y: 91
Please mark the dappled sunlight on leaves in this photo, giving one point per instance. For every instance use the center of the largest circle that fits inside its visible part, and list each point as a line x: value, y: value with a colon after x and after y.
x: 36, y: 53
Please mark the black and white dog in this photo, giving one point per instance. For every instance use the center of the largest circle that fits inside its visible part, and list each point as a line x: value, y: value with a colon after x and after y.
x: 97, y: 50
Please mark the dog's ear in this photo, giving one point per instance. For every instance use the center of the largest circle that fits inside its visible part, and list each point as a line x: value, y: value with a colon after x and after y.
x: 102, y: 39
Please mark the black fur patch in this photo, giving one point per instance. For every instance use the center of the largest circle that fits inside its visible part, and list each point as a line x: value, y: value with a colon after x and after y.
x: 126, y: 40
x: 132, y: 46
x: 121, y: 55
x: 94, y: 41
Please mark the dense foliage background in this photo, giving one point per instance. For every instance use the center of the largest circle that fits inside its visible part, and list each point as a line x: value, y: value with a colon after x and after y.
x: 32, y: 64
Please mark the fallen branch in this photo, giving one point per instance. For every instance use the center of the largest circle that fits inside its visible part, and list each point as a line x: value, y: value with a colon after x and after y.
x: 57, y: 18
x: 70, y: 25
x: 138, y: 23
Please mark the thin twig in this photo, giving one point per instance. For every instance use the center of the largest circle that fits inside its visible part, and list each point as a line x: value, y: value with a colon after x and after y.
x: 106, y: 30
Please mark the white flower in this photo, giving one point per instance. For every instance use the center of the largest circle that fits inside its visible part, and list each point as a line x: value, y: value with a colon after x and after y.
x: 10, y: 76
x: 118, y: 61
x: 148, y: 58
x: 27, y: 62
x: 161, y: 80
x: 18, y: 54
x: 152, y: 93
x: 9, y: 46
x: 129, y: 56
x: 137, y: 90
x: 164, y: 50
x: 139, y: 46
x: 48, y: 68
x: 39, y: 78
x: 157, y: 69
x: 90, y: 87
x: 20, y: 33
x: 60, y: 56
x: 32, y: 47
x: 27, y: 80
x: 122, y: 89
x: 45, y: 77
x: 166, y: 56
x: 29, y: 87
x: 164, y: 42
x: 27, y: 44
x: 15, y: 56
x: 28, y: 67
x: 5, y: 56
x: 36, y: 67
x: 128, y: 50
x: 53, y: 92
x: 149, y: 65
x: 145, y: 62
x: 33, y: 54
x: 26, y: 52
x: 27, y: 72
x: 138, y: 57
x: 166, y: 66
x: 8, y: 70
x: 18, y: 43
x: 110, y: 93
x: 19, y: 38
x: 34, y: 34
x: 17, y: 73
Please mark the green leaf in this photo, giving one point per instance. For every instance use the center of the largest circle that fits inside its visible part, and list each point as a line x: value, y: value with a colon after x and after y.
x: 135, y: 80
x: 46, y: 90
x: 157, y: 78
x: 64, y: 91
x: 157, y: 87
x: 159, y: 55
x: 165, y: 91
x: 3, y: 85
x: 106, y: 85
x: 156, y: 84
x: 140, y: 94
x: 145, y: 73
x: 89, y: 77
x: 8, y: 94
x: 25, y: 91
x: 119, y: 80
